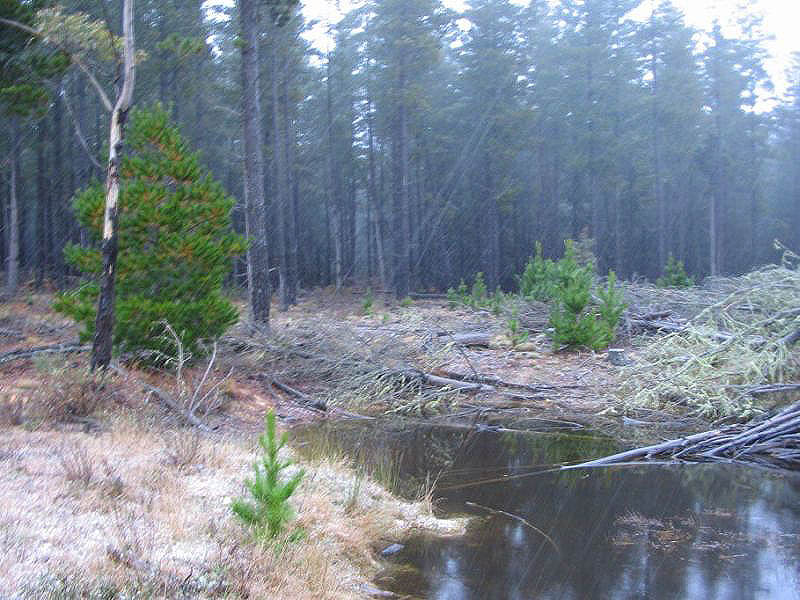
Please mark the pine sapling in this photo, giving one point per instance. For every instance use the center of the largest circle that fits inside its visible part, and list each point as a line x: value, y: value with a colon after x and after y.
x: 269, y: 510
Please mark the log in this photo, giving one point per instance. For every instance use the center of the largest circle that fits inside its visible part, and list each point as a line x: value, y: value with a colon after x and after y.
x: 774, y: 440
x: 455, y: 384
x: 23, y: 353
x: 473, y: 338
x: 298, y: 395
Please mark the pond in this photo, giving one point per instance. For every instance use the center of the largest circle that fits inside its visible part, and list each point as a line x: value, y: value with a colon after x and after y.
x: 655, y: 531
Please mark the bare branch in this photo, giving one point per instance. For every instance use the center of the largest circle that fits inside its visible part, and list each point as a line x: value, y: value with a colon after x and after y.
x: 75, y: 59
x: 79, y: 133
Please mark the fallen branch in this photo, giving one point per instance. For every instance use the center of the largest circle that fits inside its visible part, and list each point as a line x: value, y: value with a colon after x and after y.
x: 475, y: 338
x: 496, y: 381
x: 525, y: 522
x: 164, y: 397
x: 23, y: 353
x: 774, y: 441
x: 298, y: 395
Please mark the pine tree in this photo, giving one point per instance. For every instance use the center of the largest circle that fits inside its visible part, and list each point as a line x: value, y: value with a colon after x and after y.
x: 176, y: 244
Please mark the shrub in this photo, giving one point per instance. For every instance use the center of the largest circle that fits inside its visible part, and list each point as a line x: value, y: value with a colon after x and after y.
x: 479, y: 293
x: 574, y: 321
x: 538, y: 280
x: 270, y: 510
x: 459, y: 295
x: 612, y: 304
x: 515, y: 331
x: 572, y: 325
x: 368, y: 302
x: 674, y: 275
x: 175, y: 244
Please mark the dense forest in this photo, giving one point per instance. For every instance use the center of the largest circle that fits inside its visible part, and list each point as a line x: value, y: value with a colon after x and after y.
x: 422, y: 145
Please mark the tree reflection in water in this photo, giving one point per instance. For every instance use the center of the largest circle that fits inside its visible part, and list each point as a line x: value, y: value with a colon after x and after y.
x: 666, y: 531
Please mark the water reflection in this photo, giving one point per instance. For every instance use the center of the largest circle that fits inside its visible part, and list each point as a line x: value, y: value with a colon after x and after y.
x: 710, y: 531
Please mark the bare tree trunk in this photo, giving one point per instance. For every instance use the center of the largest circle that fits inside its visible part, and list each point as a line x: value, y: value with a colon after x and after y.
x: 377, y: 216
x: 12, y: 266
x: 56, y: 212
x: 333, y: 188
x: 280, y: 177
x: 402, y: 231
x: 712, y: 210
x: 259, y: 287
x: 104, y: 324
x: 42, y: 221
x: 290, y: 139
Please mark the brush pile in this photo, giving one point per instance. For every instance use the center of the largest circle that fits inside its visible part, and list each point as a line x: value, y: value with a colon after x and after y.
x: 726, y: 344
x: 773, y: 442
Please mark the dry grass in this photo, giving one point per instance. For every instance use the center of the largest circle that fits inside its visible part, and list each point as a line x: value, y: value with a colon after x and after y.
x: 142, y: 510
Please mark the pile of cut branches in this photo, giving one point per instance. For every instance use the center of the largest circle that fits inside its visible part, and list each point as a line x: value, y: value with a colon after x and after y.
x: 740, y: 345
x: 360, y: 367
x: 773, y: 442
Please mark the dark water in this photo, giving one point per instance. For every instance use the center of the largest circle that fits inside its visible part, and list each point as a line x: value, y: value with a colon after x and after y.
x: 703, y: 531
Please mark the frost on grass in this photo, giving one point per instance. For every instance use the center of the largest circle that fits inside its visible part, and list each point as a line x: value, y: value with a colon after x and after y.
x: 140, y: 523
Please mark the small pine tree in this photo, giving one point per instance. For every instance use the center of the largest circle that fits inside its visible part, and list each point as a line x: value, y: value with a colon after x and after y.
x: 270, y: 510
x: 175, y: 245
x: 674, y: 275
x: 538, y: 280
x: 479, y: 292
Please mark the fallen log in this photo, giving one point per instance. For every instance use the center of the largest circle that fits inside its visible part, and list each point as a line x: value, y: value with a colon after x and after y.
x: 456, y: 384
x: 473, y: 338
x: 774, y: 441
x: 427, y: 296
x: 498, y: 382
x: 23, y: 353
x: 298, y: 395
x: 791, y: 339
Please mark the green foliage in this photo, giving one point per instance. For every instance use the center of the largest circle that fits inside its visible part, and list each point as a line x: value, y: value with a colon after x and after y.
x: 674, y: 275
x: 459, y: 295
x: 612, y: 304
x: 479, y: 293
x: 26, y: 66
x: 269, y: 510
x: 477, y: 296
x: 572, y: 324
x: 175, y: 245
x: 496, y: 301
x: 574, y: 321
x: 368, y: 302
x: 406, y: 302
x: 539, y: 279
x: 515, y: 332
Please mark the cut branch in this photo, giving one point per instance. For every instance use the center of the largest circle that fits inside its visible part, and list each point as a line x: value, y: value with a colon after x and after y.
x: 24, y: 353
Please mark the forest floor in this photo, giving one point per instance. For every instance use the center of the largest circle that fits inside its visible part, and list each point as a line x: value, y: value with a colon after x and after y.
x: 104, y: 487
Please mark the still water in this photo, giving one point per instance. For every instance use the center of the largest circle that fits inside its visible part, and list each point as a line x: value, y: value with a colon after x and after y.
x: 658, y: 531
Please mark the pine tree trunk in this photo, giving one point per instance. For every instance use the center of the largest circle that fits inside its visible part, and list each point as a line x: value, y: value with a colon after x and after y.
x: 292, y: 193
x: 104, y: 323
x: 335, y: 217
x: 57, y: 213
x: 259, y: 287
x: 280, y: 178
x: 401, y: 213
x: 12, y: 266
x: 42, y: 209
x: 377, y: 213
